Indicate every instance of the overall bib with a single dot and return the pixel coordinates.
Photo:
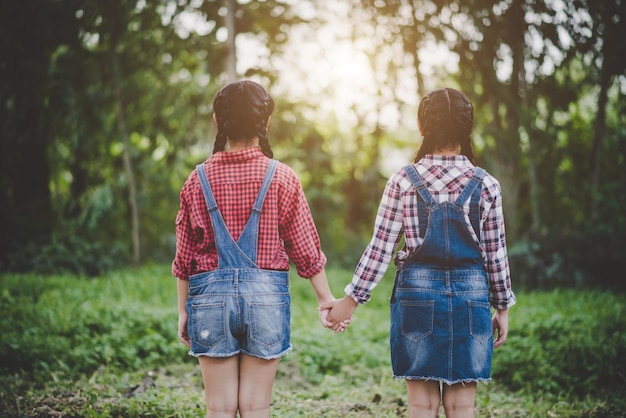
(440, 313)
(238, 307)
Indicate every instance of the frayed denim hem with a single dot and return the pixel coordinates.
(446, 381)
(214, 355)
(272, 357)
(234, 353)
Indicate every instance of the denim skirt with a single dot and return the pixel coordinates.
(441, 325)
(234, 311)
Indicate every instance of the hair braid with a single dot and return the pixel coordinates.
(446, 117)
(220, 137)
(220, 142)
(262, 127)
(242, 110)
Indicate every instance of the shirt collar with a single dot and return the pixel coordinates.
(244, 155)
(446, 160)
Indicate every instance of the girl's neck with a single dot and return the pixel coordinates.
(450, 152)
(241, 145)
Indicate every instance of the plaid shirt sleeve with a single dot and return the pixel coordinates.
(388, 229)
(493, 240)
(183, 261)
(298, 232)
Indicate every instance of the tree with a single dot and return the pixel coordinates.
(123, 87)
(28, 43)
(608, 24)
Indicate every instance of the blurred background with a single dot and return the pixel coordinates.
(106, 107)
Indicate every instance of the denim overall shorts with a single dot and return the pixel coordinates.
(238, 307)
(440, 313)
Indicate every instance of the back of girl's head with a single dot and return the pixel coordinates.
(446, 117)
(242, 110)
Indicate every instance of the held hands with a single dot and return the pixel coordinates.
(337, 313)
(325, 321)
(323, 313)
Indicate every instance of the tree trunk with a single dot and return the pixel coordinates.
(421, 89)
(26, 214)
(128, 165)
(511, 152)
(598, 139)
(231, 61)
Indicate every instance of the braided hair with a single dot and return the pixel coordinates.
(242, 110)
(446, 117)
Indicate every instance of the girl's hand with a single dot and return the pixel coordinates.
(183, 334)
(340, 313)
(323, 313)
(500, 326)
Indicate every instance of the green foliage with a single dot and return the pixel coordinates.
(70, 254)
(107, 346)
(588, 258)
(565, 343)
(66, 328)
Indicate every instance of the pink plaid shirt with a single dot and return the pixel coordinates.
(445, 177)
(286, 231)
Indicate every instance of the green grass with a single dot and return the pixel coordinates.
(107, 347)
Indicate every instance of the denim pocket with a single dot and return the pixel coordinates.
(269, 322)
(417, 319)
(479, 320)
(207, 324)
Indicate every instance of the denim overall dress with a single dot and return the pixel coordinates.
(440, 313)
(238, 307)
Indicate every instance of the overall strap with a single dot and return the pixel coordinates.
(242, 253)
(472, 189)
(267, 180)
(419, 185)
(206, 188)
(424, 201)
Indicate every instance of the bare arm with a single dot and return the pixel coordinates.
(325, 298)
(323, 294)
(182, 291)
(321, 287)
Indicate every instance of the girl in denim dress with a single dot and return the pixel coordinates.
(452, 270)
(243, 217)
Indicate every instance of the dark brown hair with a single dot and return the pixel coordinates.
(242, 110)
(446, 117)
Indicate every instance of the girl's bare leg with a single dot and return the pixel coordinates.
(424, 398)
(256, 378)
(221, 385)
(458, 400)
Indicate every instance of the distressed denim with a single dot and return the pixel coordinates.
(238, 308)
(441, 325)
(440, 313)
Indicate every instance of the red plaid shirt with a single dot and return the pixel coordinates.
(286, 231)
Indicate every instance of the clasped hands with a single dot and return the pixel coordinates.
(337, 313)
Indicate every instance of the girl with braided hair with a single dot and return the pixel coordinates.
(243, 217)
(452, 270)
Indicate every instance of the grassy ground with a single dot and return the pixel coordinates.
(106, 347)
